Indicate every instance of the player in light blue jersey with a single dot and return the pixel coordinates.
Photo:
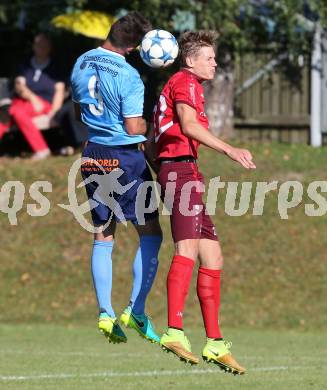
(109, 91)
(109, 96)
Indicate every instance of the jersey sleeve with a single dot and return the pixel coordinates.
(184, 92)
(132, 99)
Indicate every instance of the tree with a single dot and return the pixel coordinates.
(277, 26)
(34, 14)
(244, 26)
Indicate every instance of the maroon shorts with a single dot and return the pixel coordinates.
(182, 186)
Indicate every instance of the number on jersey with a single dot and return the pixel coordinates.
(162, 108)
(94, 91)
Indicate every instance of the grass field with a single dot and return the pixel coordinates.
(275, 272)
(273, 293)
(50, 357)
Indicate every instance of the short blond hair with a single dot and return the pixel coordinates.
(192, 41)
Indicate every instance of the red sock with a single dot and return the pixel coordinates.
(208, 289)
(178, 284)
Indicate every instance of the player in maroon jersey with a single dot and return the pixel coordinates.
(181, 126)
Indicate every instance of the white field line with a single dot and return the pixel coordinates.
(70, 353)
(111, 374)
(137, 354)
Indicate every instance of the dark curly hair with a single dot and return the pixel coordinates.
(129, 30)
(192, 41)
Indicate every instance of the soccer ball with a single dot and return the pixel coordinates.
(159, 48)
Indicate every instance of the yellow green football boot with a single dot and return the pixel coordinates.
(175, 341)
(111, 329)
(141, 323)
(217, 352)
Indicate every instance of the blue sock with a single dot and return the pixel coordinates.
(144, 271)
(101, 267)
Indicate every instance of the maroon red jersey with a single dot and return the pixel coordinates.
(182, 87)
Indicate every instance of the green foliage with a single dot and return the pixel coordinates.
(275, 26)
(33, 15)
(278, 25)
(320, 6)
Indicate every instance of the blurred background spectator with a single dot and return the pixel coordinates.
(39, 102)
(39, 90)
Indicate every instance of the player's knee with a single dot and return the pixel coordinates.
(187, 248)
(219, 259)
(101, 237)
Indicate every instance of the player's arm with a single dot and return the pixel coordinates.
(132, 104)
(193, 129)
(135, 125)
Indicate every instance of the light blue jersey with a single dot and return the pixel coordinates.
(108, 90)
